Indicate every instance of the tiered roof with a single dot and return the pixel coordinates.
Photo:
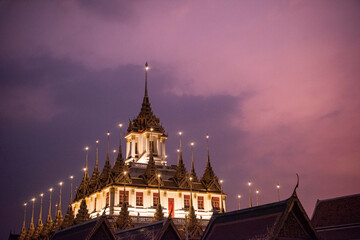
(146, 118)
(285, 219)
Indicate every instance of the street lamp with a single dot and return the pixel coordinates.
(257, 197)
(278, 191)
(239, 197)
(250, 202)
(221, 197)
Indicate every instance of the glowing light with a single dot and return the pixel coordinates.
(178, 150)
(192, 144)
(146, 67)
(221, 181)
(278, 186)
(207, 137)
(257, 191)
(60, 183)
(125, 173)
(41, 195)
(71, 177)
(114, 151)
(108, 133)
(191, 178)
(120, 125)
(151, 129)
(33, 199)
(239, 196)
(249, 183)
(159, 175)
(51, 189)
(86, 148)
(84, 169)
(25, 204)
(166, 156)
(97, 141)
(180, 133)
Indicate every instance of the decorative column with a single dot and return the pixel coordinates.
(158, 151)
(163, 148)
(112, 200)
(127, 148)
(132, 146)
(147, 149)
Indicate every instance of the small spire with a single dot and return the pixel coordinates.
(209, 174)
(207, 147)
(108, 146)
(41, 200)
(146, 70)
(192, 171)
(97, 155)
(23, 229)
(180, 133)
(83, 214)
(86, 160)
(31, 230)
(48, 225)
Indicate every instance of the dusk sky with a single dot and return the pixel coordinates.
(276, 85)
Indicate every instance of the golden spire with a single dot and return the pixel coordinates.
(207, 147)
(60, 184)
(23, 229)
(25, 204)
(97, 154)
(86, 161)
(31, 230)
(146, 70)
(108, 146)
(71, 188)
(50, 190)
(180, 133)
(41, 200)
(33, 208)
(192, 171)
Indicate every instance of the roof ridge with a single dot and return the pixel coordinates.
(249, 209)
(142, 226)
(337, 198)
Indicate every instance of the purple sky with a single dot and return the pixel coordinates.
(275, 84)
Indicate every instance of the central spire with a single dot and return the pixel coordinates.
(146, 70)
(146, 118)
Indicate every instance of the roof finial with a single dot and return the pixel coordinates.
(32, 214)
(40, 214)
(207, 147)
(146, 70)
(120, 126)
(97, 154)
(192, 171)
(86, 160)
(180, 133)
(108, 146)
(24, 225)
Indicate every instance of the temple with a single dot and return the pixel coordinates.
(142, 177)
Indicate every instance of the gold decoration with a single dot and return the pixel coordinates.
(148, 192)
(180, 194)
(209, 196)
